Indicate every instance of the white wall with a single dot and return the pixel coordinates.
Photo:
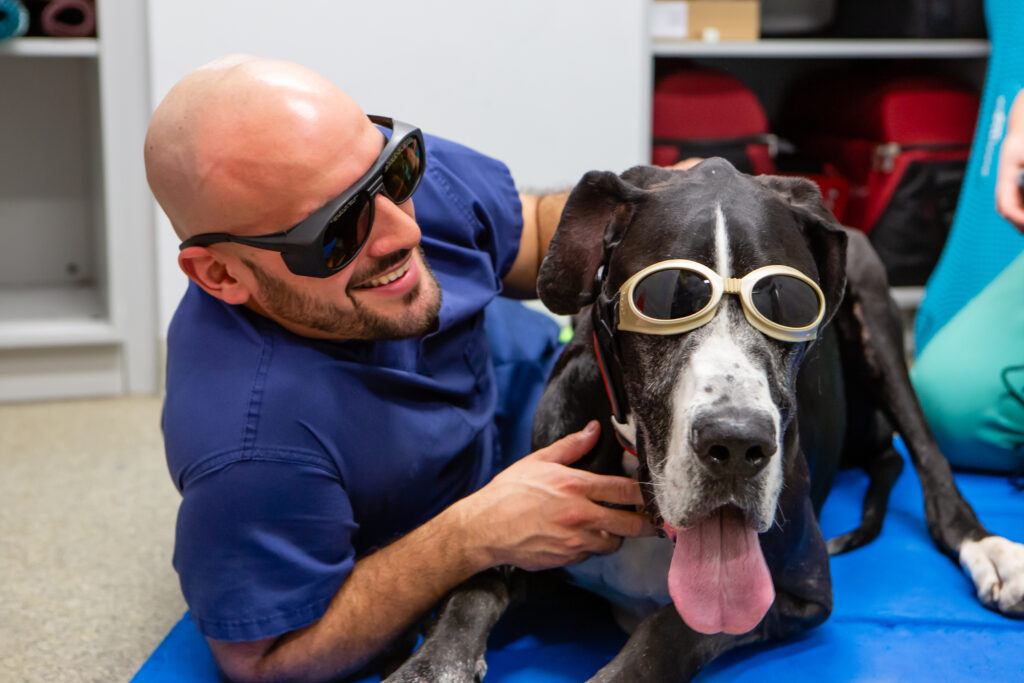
(551, 87)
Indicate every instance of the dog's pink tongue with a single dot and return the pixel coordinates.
(718, 579)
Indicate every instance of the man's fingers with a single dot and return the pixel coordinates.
(607, 543)
(571, 448)
(623, 522)
(605, 488)
(598, 543)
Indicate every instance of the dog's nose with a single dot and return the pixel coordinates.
(734, 442)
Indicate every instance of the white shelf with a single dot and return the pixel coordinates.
(907, 298)
(831, 48)
(53, 316)
(50, 47)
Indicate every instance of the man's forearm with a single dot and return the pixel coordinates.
(541, 214)
(385, 593)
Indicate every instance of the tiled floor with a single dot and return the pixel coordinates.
(86, 528)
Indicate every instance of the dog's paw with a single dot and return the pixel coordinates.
(996, 566)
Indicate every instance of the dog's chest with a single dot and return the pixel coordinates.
(634, 579)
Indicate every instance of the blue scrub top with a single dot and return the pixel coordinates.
(295, 457)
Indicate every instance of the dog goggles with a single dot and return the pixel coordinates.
(677, 296)
(328, 239)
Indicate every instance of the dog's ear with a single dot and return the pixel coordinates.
(825, 236)
(595, 216)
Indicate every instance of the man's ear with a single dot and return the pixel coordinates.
(214, 274)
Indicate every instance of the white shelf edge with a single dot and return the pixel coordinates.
(824, 48)
(907, 298)
(61, 332)
(50, 47)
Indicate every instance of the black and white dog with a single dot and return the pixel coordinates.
(739, 346)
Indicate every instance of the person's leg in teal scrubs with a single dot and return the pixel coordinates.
(961, 378)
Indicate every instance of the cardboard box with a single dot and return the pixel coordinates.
(707, 20)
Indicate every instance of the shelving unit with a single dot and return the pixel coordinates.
(769, 65)
(77, 284)
(824, 48)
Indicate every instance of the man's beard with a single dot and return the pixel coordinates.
(282, 301)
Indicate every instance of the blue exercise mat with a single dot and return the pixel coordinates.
(903, 612)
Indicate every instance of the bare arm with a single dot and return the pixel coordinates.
(541, 214)
(536, 514)
(540, 219)
(1009, 200)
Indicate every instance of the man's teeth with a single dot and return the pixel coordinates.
(390, 277)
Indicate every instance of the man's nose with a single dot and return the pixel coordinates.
(394, 227)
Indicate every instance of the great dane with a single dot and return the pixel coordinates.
(739, 346)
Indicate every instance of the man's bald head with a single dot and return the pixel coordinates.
(249, 145)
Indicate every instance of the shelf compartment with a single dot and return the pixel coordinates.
(54, 316)
(825, 48)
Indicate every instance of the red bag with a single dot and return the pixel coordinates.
(903, 143)
(704, 112)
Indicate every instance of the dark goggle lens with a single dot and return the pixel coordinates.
(672, 294)
(346, 232)
(401, 174)
(786, 301)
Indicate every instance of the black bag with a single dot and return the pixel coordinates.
(910, 19)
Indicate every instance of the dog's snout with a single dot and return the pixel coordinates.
(734, 442)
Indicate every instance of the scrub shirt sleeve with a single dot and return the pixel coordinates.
(483, 190)
(262, 547)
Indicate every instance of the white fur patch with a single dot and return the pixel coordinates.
(724, 265)
(718, 364)
(996, 566)
(634, 579)
(718, 373)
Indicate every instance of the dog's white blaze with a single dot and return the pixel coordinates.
(723, 265)
(718, 364)
(996, 566)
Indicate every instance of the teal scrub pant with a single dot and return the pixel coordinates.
(970, 378)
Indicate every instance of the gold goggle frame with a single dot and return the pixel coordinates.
(632, 320)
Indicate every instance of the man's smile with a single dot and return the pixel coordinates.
(388, 277)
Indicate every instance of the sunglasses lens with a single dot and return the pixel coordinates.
(786, 301)
(401, 174)
(672, 294)
(346, 232)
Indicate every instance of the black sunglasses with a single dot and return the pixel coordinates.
(328, 239)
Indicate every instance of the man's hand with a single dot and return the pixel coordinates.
(686, 164)
(540, 513)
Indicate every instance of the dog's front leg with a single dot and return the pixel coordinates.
(453, 648)
(664, 649)
(995, 564)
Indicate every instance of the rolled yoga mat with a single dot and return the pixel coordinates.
(13, 19)
(69, 18)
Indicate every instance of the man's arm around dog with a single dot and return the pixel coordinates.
(537, 514)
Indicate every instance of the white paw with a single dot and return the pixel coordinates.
(996, 565)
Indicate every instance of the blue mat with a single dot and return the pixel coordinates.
(903, 612)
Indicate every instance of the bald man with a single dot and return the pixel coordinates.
(332, 405)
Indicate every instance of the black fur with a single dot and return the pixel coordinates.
(839, 397)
